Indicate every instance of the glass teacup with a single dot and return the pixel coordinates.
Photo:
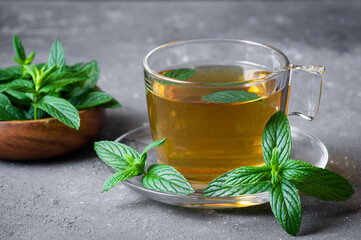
(205, 138)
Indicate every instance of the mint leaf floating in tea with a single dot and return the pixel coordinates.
(50, 89)
(231, 96)
(282, 178)
(129, 163)
(180, 74)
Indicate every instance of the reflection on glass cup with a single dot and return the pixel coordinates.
(206, 139)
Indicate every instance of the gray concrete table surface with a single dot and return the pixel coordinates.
(60, 198)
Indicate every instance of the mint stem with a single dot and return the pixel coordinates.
(35, 113)
(35, 107)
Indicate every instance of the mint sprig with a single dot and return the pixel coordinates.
(129, 163)
(20, 52)
(282, 178)
(48, 89)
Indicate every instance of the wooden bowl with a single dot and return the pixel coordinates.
(47, 138)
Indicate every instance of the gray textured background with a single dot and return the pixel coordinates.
(60, 198)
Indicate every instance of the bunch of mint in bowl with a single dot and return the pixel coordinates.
(49, 109)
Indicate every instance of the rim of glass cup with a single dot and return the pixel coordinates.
(259, 79)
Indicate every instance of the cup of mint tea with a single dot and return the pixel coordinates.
(211, 99)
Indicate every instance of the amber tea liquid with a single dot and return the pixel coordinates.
(207, 139)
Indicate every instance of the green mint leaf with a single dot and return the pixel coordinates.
(231, 96)
(77, 91)
(157, 143)
(249, 175)
(18, 61)
(65, 89)
(165, 178)
(118, 177)
(5, 115)
(21, 85)
(90, 99)
(4, 100)
(115, 154)
(317, 182)
(180, 74)
(20, 97)
(40, 65)
(18, 47)
(74, 68)
(277, 133)
(10, 73)
(57, 56)
(9, 112)
(111, 104)
(30, 58)
(286, 206)
(80, 97)
(32, 71)
(46, 74)
(54, 94)
(91, 69)
(57, 80)
(218, 188)
(143, 156)
(60, 109)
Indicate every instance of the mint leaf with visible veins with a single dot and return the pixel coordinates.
(57, 56)
(317, 182)
(180, 74)
(19, 49)
(286, 206)
(165, 178)
(231, 96)
(120, 176)
(130, 163)
(219, 188)
(115, 154)
(277, 133)
(60, 109)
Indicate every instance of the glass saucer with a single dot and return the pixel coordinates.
(305, 147)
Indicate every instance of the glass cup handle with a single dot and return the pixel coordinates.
(305, 90)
